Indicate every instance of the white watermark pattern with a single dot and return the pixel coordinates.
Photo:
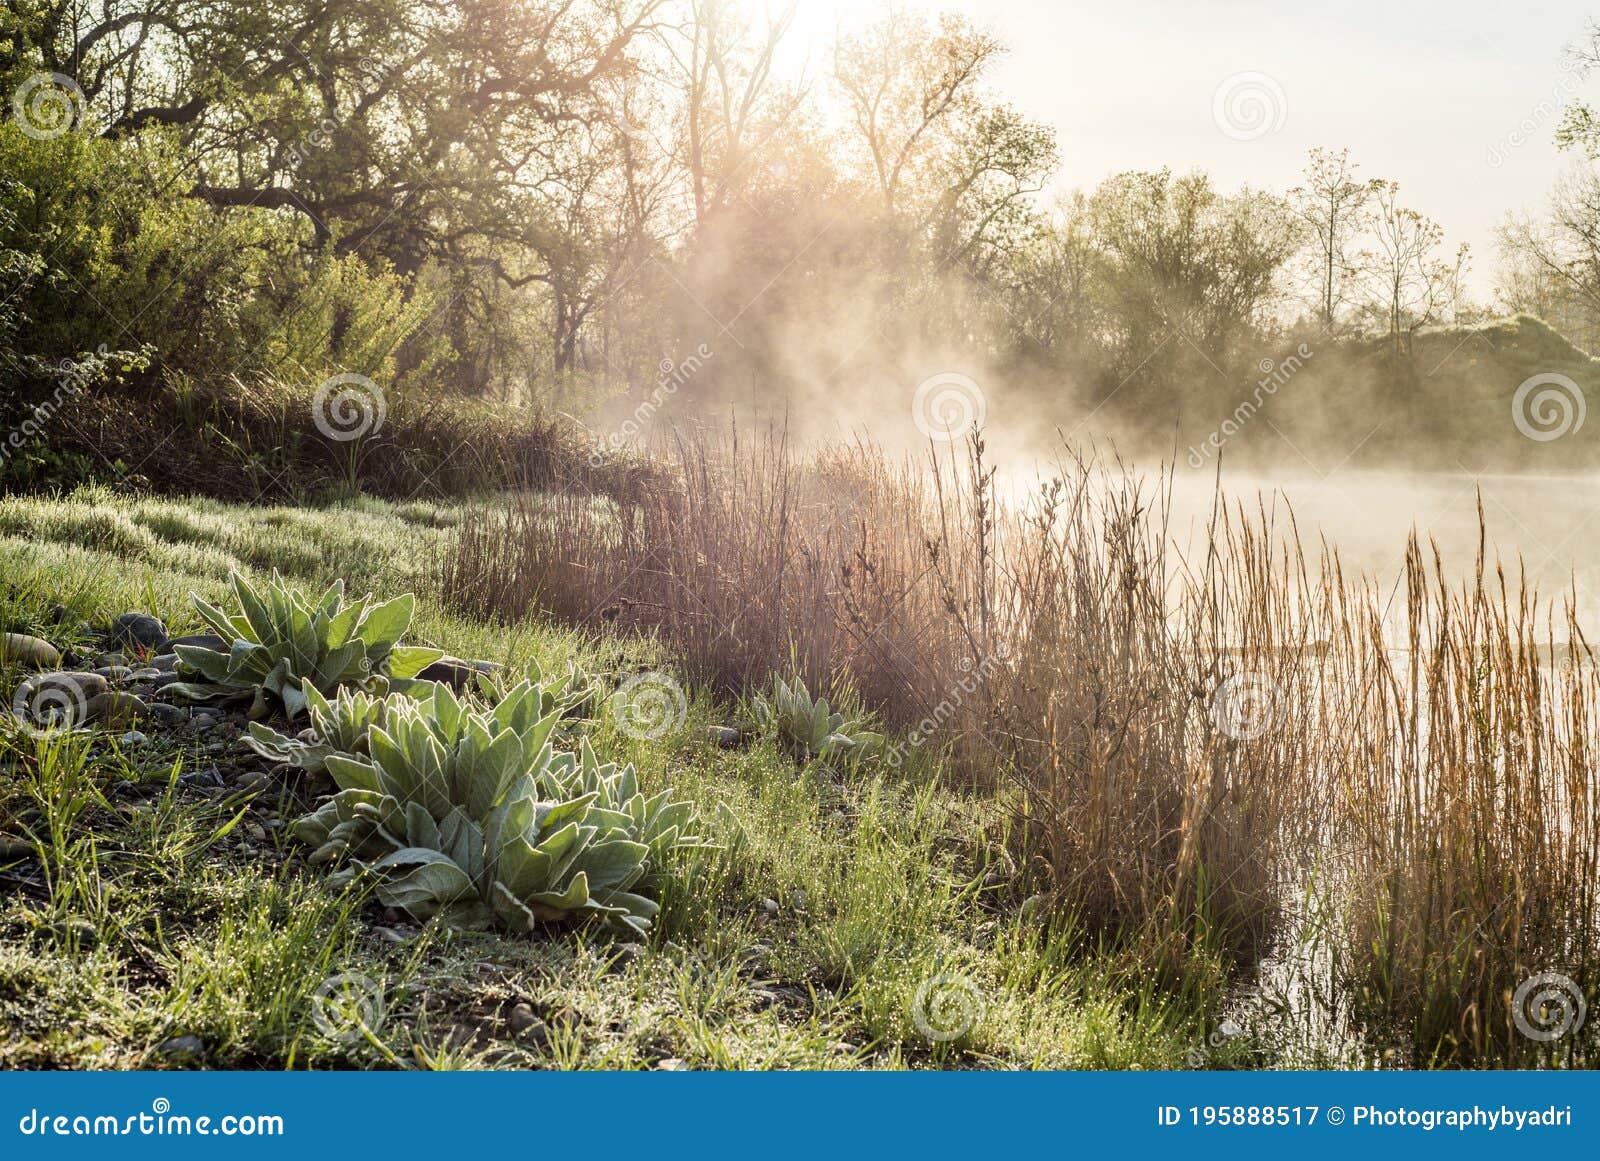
(649, 706)
(1245, 706)
(1249, 105)
(948, 406)
(1548, 406)
(1547, 1006)
(946, 1007)
(348, 406)
(47, 105)
(1274, 375)
(348, 1007)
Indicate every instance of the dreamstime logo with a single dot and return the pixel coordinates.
(946, 1007)
(55, 705)
(1545, 1007)
(672, 377)
(1246, 706)
(1547, 407)
(46, 105)
(649, 706)
(348, 406)
(1573, 73)
(348, 1006)
(948, 405)
(972, 678)
(1248, 106)
(1274, 375)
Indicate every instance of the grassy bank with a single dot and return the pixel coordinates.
(155, 915)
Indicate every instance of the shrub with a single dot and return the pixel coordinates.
(474, 815)
(281, 640)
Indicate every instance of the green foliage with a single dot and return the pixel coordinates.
(281, 640)
(472, 814)
(806, 728)
(574, 692)
(340, 726)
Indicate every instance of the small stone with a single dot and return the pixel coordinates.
(29, 652)
(139, 630)
(181, 1046)
(166, 663)
(724, 736)
(257, 832)
(672, 1064)
(166, 715)
(770, 906)
(210, 776)
(148, 673)
(57, 614)
(132, 738)
(110, 661)
(623, 954)
(117, 709)
(117, 673)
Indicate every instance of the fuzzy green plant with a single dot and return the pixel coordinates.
(807, 728)
(283, 641)
(474, 816)
(573, 692)
(338, 725)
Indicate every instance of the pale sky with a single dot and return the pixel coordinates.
(1424, 92)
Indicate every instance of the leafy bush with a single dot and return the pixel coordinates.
(341, 726)
(806, 728)
(282, 641)
(473, 815)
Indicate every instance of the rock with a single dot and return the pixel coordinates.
(770, 906)
(725, 736)
(166, 663)
(140, 630)
(166, 715)
(256, 831)
(522, 1019)
(623, 954)
(115, 710)
(208, 778)
(57, 614)
(456, 672)
(133, 738)
(179, 1046)
(114, 672)
(148, 673)
(110, 661)
(672, 1064)
(62, 697)
(29, 652)
(199, 641)
(165, 680)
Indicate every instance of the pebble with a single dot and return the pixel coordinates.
(256, 831)
(133, 738)
(724, 736)
(623, 954)
(166, 715)
(117, 709)
(672, 1064)
(522, 1019)
(32, 652)
(210, 776)
(114, 672)
(140, 630)
(181, 1046)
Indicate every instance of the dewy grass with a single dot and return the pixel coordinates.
(130, 922)
(1187, 740)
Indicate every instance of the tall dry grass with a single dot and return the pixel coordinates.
(1190, 738)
